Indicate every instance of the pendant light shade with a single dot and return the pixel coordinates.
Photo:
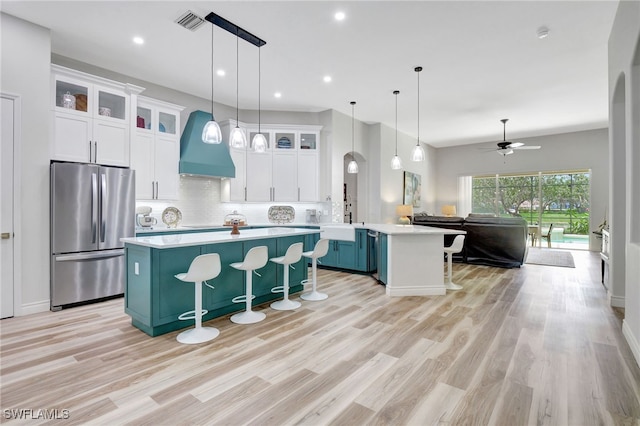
(396, 162)
(352, 167)
(211, 132)
(259, 142)
(417, 154)
(237, 138)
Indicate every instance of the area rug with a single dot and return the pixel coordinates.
(550, 257)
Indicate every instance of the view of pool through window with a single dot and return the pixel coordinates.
(554, 204)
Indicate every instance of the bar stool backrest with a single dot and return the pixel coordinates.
(293, 254)
(256, 258)
(456, 246)
(203, 267)
(321, 248)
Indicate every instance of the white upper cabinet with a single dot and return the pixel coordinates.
(91, 118)
(286, 172)
(155, 149)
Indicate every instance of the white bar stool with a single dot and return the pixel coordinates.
(293, 254)
(455, 247)
(321, 248)
(202, 268)
(255, 258)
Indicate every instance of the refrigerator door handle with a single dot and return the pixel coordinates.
(103, 203)
(94, 207)
(89, 256)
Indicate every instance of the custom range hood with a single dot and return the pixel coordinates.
(199, 158)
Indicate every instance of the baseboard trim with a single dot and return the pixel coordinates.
(34, 308)
(632, 340)
(616, 301)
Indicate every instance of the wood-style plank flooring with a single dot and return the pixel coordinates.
(537, 345)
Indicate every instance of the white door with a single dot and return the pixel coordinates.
(285, 176)
(6, 208)
(259, 171)
(308, 176)
(111, 143)
(72, 138)
(142, 161)
(167, 155)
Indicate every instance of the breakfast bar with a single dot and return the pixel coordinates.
(410, 260)
(154, 297)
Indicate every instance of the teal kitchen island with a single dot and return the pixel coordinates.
(154, 297)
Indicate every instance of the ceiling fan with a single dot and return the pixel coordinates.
(505, 147)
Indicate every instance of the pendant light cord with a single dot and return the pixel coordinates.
(212, 116)
(259, 79)
(418, 72)
(396, 93)
(352, 129)
(237, 77)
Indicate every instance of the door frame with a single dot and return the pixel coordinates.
(17, 201)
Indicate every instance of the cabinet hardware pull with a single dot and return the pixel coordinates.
(5, 235)
(90, 152)
(95, 151)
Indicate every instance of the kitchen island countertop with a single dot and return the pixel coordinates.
(217, 237)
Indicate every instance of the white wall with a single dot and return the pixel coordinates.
(391, 190)
(26, 53)
(566, 151)
(624, 74)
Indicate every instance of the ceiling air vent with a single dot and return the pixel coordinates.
(190, 21)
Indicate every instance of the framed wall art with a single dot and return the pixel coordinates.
(412, 188)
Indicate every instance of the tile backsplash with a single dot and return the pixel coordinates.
(199, 202)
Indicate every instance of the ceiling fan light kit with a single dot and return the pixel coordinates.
(505, 147)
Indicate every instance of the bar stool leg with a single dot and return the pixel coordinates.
(314, 295)
(450, 285)
(198, 334)
(248, 316)
(285, 304)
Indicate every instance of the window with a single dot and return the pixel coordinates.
(560, 198)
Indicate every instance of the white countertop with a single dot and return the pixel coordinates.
(395, 229)
(164, 228)
(216, 237)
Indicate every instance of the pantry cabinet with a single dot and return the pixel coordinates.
(155, 149)
(91, 118)
(286, 172)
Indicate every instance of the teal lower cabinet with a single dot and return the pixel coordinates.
(154, 297)
(354, 256)
(382, 260)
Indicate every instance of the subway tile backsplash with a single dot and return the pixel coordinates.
(199, 202)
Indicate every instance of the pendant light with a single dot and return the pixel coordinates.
(211, 132)
(396, 162)
(353, 166)
(417, 154)
(237, 139)
(259, 142)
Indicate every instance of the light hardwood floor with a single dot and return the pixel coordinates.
(531, 346)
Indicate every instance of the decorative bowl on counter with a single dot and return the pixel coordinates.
(171, 217)
(281, 214)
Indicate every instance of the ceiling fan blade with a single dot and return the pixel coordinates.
(515, 144)
(526, 147)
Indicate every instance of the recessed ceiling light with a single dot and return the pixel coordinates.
(138, 40)
(339, 16)
(327, 79)
(221, 73)
(277, 95)
(543, 32)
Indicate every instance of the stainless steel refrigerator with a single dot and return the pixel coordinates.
(92, 207)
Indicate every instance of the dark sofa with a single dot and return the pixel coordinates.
(493, 241)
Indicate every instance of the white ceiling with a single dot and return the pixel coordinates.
(482, 60)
